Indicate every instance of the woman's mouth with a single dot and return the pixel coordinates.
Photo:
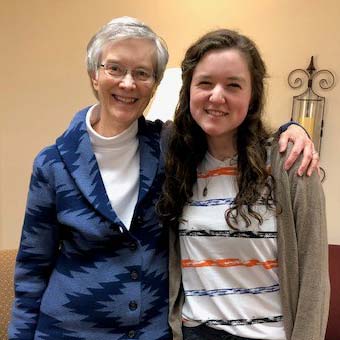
(125, 100)
(216, 113)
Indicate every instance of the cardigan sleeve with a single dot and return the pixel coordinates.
(37, 253)
(310, 218)
(307, 204)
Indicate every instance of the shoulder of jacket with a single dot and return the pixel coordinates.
(46, 159)
(155, 126)
(277, 158)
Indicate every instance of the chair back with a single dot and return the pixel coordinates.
(7, 262)
(333, 326)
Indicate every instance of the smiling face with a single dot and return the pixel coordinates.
(123, 100)
(220, 93)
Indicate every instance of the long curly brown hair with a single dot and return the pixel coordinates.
(187, 144)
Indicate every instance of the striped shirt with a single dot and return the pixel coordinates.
(230, 277)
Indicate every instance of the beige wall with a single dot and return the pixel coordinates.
(43, 78)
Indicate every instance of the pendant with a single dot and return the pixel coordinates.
(205, 191)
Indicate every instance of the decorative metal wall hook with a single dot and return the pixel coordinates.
(324, 83)
(308, 107)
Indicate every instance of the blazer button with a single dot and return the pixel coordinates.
(139, 220)
(133, 305)
(131, 334)
(134, 275)
(133, 246)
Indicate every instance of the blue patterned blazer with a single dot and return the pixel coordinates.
(80, 274)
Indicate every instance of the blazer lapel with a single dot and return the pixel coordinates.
(76, 151)
(149, 156)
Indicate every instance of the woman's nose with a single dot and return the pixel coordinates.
(127, 81)
(217, 95)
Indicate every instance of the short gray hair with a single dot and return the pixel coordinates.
(124, 28)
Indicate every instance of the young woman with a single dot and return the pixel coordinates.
(248, 247)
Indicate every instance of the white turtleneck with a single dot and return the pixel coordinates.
(118, 161)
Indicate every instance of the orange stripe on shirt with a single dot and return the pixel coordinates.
(226, 171)
(226, 263)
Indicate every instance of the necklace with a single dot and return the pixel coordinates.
(206, 181)
(228, 162)
(205, 189)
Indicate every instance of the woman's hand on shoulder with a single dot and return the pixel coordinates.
(302, 144)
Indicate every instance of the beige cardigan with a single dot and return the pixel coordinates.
(302, 256)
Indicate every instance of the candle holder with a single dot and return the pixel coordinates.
(308, 107)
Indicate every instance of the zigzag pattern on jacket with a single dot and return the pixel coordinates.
(73, 275)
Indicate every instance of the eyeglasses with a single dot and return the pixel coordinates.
(118, 71)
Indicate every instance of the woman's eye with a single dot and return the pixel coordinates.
(204, 83)
(235, 85)
(114, 68)
(141, 73)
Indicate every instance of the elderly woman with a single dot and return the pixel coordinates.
(93, 258)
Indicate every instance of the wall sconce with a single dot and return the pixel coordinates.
(308, 107)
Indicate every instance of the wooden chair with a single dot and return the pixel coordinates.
(7, 261)
(333, 326)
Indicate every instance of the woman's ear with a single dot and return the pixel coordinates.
(94, 80)
(154, 89)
